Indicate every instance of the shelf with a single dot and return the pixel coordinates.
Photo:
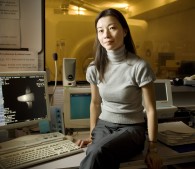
(183, 88)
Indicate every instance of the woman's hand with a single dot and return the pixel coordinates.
(153, 160)
(84, 142)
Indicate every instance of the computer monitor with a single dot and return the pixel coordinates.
(164, 100)
(163, 92)
(187, 68)
(77, 107)
(23, 99)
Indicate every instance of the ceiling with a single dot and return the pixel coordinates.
(135, 9)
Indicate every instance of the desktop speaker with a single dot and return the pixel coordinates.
(57, 119)
(69, 71)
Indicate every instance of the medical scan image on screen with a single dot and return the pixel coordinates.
(22, 99)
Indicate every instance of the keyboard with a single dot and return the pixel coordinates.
(35, 149)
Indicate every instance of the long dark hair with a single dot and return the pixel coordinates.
(101, 59)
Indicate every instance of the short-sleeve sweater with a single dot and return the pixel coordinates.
(120, 89)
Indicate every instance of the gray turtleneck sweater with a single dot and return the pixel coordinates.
(121, 88)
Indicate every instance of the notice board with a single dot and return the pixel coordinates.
(21, 35)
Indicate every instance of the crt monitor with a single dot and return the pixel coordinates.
(23, 99)
(163, 93)
(77, 107)
(164, 100)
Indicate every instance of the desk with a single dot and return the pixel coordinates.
(169, 156)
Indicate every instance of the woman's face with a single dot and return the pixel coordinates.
(110, 33)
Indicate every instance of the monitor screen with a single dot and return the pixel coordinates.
(23, 99)
(77, 107)
(163, 93)
(82, 102)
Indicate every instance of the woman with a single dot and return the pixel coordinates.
(118, 79)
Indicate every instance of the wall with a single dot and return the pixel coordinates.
(172, 34)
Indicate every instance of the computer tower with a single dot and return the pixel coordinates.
(69, 72)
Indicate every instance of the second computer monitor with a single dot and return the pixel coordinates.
(164, 100)
(77, 107)
(163, 93)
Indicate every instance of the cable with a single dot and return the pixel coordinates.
(55, 58)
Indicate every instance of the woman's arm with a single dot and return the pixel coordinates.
(150, 106)
(95, 110)
(153, 160)
(95, 106)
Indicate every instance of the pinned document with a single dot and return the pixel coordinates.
(18, 60)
